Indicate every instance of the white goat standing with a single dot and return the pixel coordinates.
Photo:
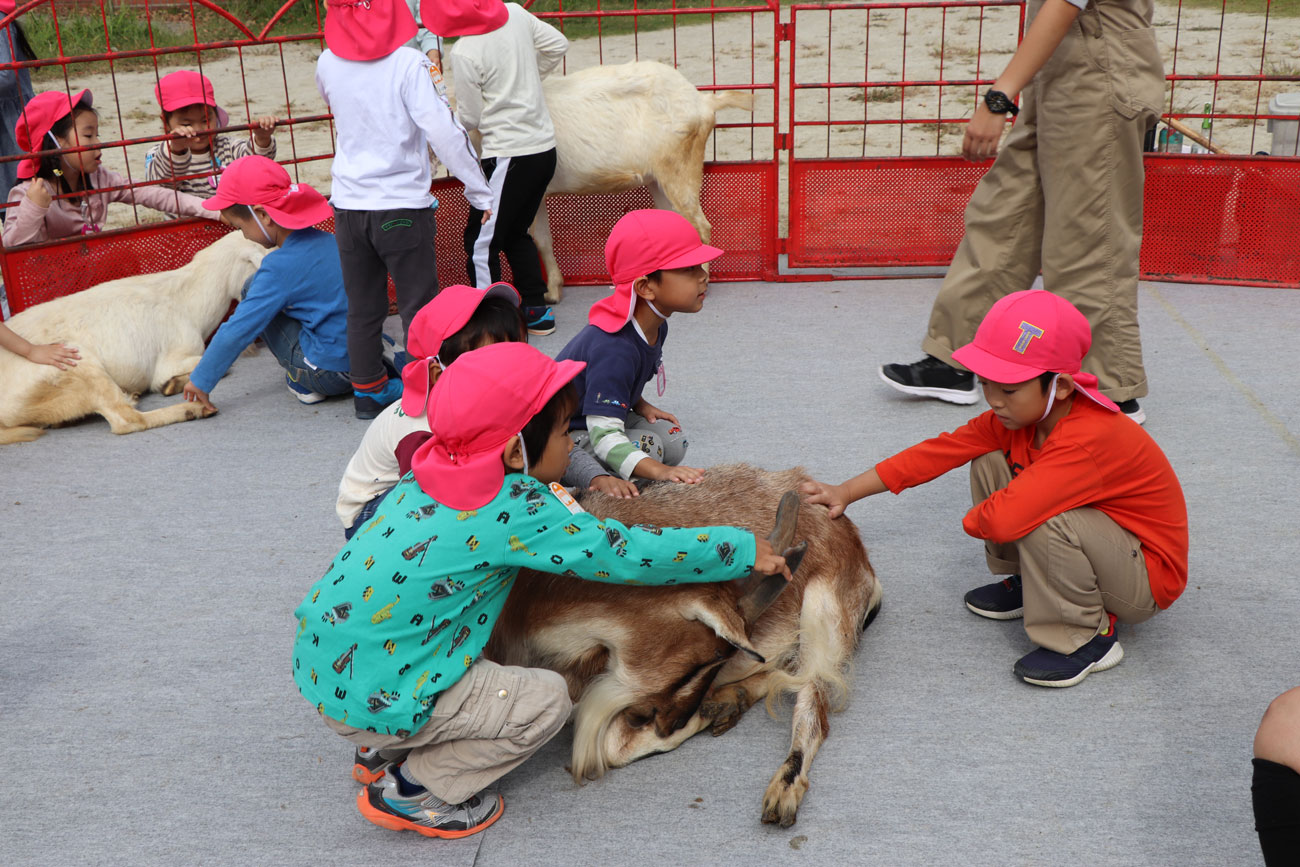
(624, 126)
(137, 334)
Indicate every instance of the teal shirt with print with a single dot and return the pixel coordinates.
(408, 604)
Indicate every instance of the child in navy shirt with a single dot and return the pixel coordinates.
(295, 301)
(656, 260)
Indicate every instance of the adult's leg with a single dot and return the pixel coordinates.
(404, 239)
(1275, 788)
(1098, 97)
(365, 280)
(1076, 567)
(521, 196)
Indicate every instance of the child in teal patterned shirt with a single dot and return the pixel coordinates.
(389, 638)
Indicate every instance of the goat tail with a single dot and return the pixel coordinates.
(21, 434)
(599, 706)
(822, 656)
(717, 100)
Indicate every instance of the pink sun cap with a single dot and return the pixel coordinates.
(256, 180)
(368, 29)
(442, 317)
(452, 18)
(482, 399)
(40, 114)
(641, 242)
(185, 87)
(1029, 333)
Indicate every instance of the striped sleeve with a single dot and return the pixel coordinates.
(613, 448)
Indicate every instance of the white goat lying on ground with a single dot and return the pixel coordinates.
(137, 334)
(625, 126)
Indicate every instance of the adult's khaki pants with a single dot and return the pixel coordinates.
(482, 727)
(1064, 195)
(1074, 567)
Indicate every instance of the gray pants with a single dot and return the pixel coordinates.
(482, 727)
(372, 246)
(1075, 567)
(661, 440)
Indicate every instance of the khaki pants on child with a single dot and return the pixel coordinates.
(482, 727)
(1074, 567)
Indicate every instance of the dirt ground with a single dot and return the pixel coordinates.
(842, 46)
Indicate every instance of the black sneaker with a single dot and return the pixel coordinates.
(540, 320)
(1045, 667)
(1131, 409)
(930, 377)
(1001, 600)
(368, 404)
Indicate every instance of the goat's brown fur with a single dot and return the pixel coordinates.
(648, 667)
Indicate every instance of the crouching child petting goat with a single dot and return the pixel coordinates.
(1075, 502)
(389, 638)
(295, 301)
(656, 260)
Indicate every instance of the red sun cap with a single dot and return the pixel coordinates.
(368, 29)
(41, 113)
(256, 180)
(187, 87)
(482, 399)
(641, 242)
(442, 317)
(1028, 333)
(451, 18)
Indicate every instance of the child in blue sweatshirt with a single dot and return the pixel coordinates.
(295, 301)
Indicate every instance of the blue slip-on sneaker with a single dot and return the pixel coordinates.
(424, 812)
(368, 404)
(302, 392)
(541, 320)
(1001, 600)
(1043, 667)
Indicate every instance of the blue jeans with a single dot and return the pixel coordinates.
(367, 512)
(281, 337)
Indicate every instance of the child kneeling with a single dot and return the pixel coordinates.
(389, 638)
(295, 301)
(1075, 501)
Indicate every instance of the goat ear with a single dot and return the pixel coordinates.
(758, 591)
(726, 623)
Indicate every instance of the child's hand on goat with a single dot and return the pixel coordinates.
(833, 497)
(39, 193)
(614, 487)
(649, 468)
(264, 126)
(767, 561)
(193, 392)
(54, 354)
(652, 413)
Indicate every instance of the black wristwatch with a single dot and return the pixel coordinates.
(998, 103)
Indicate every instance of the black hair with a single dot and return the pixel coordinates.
(655, 276)
(1045, 380)
(540, 427)
(495, 321)
(51, 165)
(243, 212)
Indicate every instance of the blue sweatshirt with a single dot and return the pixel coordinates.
(303, 280)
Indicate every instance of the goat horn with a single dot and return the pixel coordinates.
(759, 591)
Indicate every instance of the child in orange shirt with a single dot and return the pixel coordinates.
(1075, 501)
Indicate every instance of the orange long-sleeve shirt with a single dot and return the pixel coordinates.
(1092, 458)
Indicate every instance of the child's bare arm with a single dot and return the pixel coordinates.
(54, 354)
(837, 497)
(1044, 35)
(649, 468)
(652, 413)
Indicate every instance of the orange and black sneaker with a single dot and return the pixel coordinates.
(369, 765)
(424, 813)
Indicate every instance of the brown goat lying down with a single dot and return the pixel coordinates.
(650, 666)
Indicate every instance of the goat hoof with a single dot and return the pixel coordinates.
(175, 385)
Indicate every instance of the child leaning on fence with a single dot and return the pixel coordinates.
(56, 120)
(189, 110)
(389, 639)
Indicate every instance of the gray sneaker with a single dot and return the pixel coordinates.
(381, 803)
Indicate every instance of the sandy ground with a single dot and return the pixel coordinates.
(841, 46)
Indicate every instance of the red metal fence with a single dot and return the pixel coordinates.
(846, 166)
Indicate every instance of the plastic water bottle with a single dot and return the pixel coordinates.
(1206, 125)
(1175, 141)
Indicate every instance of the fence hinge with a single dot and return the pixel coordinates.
(783, 141)
(785, 32)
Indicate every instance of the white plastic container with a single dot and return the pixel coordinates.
(1286, 133)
